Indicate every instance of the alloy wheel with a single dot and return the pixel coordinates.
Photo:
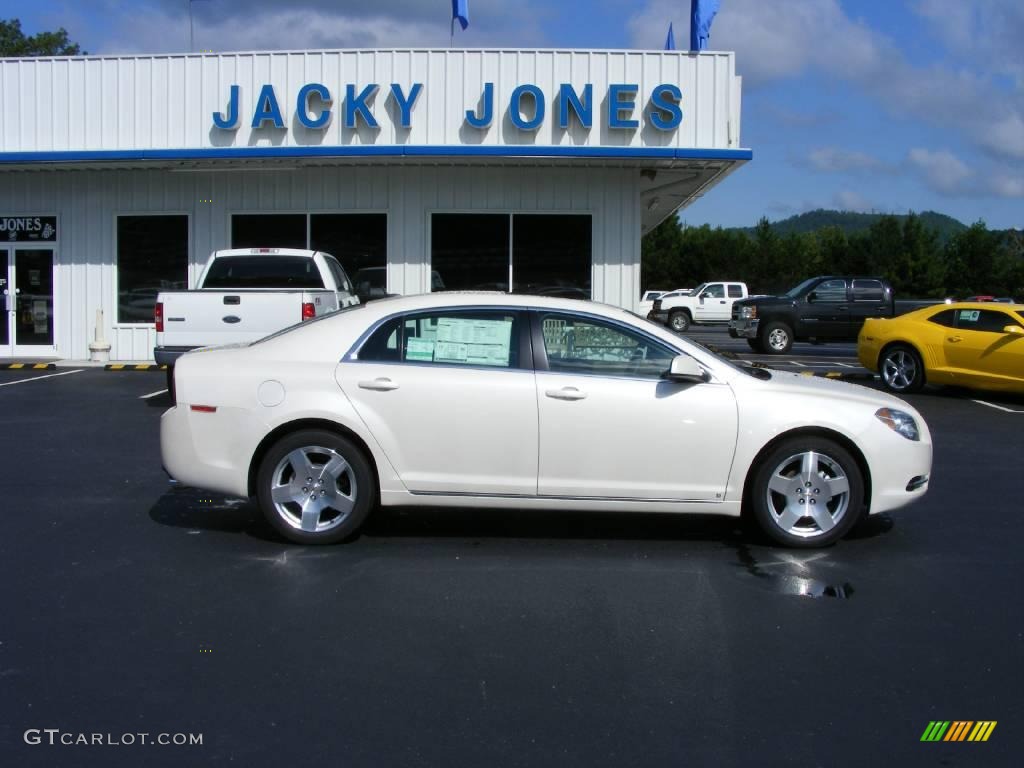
(808, 494)
(899, 370)
(313, 489)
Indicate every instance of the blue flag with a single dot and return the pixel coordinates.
(460, 12)
(670, 41)
(702, 13)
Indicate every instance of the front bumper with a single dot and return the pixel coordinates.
(746, 329)
(659, 316)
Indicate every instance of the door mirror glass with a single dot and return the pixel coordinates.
(811, 297)
(685, 368)
(1015, 330)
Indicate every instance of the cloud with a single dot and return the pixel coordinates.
(789, 38)
(848, 200)
(990, 31)
(835, 160)
(943, 171)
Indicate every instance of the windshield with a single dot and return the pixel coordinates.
(696, 291)
(794, 292)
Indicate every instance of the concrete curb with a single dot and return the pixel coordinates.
(16, 366)
(134, 367)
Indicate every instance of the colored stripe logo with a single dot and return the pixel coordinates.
(958, 730)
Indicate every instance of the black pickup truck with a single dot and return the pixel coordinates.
(821, 309)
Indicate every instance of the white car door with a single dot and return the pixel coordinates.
(611, 427)
(446, 396)
(712, 306)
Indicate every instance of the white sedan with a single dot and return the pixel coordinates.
(490, 400)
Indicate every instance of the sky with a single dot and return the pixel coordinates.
(861, 105)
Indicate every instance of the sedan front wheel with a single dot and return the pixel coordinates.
(315, 487)
(807, 492)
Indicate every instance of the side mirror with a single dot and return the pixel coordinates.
(812, 297)
(685, 369)
(1014, 330)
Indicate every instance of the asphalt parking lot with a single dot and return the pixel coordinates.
(489, 638)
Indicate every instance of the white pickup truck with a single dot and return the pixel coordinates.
(245, 294)
(707, 304)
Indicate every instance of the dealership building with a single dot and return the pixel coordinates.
(535, 171)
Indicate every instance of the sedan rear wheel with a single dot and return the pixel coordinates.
(901, 369)
(315, 487)
(807, 492)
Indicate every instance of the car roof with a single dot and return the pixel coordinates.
(493, 298)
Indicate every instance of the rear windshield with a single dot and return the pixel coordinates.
(264, 272)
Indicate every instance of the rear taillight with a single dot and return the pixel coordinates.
(308, 310)
(158, 316)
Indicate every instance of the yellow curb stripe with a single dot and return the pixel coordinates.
(17, 366)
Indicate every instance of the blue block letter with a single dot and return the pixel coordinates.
(488, 109)
(230, 122)
(302, 105)
(584, 109)
(617, 105)
(666, 114)
(357, 104)
(405, 105)
(515, 111)
(267, 109)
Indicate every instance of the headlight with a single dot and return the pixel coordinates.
(748, 313)
(899, 421)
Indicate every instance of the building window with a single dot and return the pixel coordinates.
(268, 230)
(358, 240)
(152, 256)
(547, 254)
(470, 251)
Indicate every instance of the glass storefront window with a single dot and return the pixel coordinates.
(549, 254)
(152, 256)
(360, 242)
(469, 251)
(268, 230)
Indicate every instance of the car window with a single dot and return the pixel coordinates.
(868, 290)
(987, 320)
(735, 291)
(946, 317)
(716, 291)
(831, 290)
(338, 273)
(472, 338)
(584, 345)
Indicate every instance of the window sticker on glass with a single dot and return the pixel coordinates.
(472, 341)
(420, 350)
(970, 315)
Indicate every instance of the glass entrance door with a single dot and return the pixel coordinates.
(27, 288)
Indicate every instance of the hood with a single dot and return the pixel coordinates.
(761, 301)
(784, 381)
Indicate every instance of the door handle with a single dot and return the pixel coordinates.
(722, 301)
(566, 393)
(379, 385)
(955, 339)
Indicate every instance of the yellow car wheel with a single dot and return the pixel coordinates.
(901, 369)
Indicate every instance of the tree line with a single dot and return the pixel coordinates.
(903, 250)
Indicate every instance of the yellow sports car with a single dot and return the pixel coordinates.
(969, 344)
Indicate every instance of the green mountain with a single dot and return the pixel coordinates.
(850, 222)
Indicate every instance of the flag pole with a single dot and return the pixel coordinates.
(451, 39)
(191, 30)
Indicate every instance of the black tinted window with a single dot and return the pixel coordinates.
(152, 256)
(987, 320)
(735, 292)
(263, 272)
(268, 230)
(867, 290)
(830, 290)
(946, 317)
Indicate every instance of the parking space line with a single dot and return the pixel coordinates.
(152, 394)
(37, 378)
(998, 407)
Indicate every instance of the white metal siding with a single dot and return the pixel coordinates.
(87, 203)
(167, 102)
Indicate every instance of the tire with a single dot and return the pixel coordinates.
(901, 369)
(679, 321)
(755, 344)
(790, 484)
(170, 382)
(776, 338)
(351, 489)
